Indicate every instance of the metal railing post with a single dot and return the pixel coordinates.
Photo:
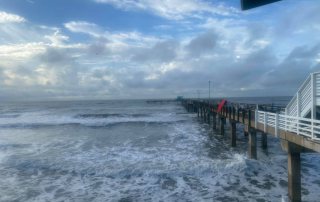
(256, 117)
(276, 123)
(285, 120)
(265, 122)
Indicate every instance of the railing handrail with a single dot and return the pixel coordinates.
(299, 125)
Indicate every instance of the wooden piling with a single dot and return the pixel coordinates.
(252, 144)
(198, 112)
(233, 134)
(264, 140)
(222, 126)
(294, 170)
(214, 121)
(294, 176)
(238, 114)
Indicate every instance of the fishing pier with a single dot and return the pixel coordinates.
(297, 125)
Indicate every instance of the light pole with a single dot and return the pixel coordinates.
(212, 89)
(209, 89)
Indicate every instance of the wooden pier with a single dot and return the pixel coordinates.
(264, 120)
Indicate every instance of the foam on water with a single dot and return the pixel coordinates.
(39, 119)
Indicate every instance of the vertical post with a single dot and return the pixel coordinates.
(294, 176)
(298, 110)
(233, 134)
(233, 113)
(298, 104)
(222, 126)
(252, 144)
(243, 121)
(238, 114)
(243, 115)
(249, 118)
(198, 113)
(276, 123)
(256, 117)
(294, 170)
(285, 120)
(313, 101)
(265, 121)
(208, 119)
(264, 140)
(214, 121)
(209, 90)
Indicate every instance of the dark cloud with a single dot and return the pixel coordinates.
(164, 51)
(99, 48)
(56, 56)
(294, 69)
(204, 43)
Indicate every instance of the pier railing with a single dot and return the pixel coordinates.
(306, 99)
(269, 118)
(301, 126)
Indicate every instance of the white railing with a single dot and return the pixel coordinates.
(306, 98)
(301, 126)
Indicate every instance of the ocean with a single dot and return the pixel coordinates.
(132, 150)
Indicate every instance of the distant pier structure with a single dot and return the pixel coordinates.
(297, 125)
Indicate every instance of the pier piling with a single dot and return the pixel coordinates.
(252, 144)
(264, 140)
(294, 170)
(214, 121)
(233, 134)
(222, 126)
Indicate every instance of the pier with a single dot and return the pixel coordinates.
(296, 125)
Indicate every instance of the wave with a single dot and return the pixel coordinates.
(89, 120)
(107, 115)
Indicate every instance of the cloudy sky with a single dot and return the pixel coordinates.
(111, 49)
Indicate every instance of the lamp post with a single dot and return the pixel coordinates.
(209, 89)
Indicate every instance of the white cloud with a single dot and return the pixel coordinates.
(173, 9)
(84, 27)
(10, 18)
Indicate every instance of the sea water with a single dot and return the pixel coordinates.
(135, 151)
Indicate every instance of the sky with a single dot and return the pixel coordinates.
(137, 49)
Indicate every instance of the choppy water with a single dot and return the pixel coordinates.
(134, 151)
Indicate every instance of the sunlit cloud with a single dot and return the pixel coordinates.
(10, 18)
(173, 9)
